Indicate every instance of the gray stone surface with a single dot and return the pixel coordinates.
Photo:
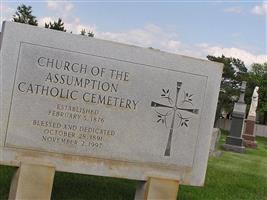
(260, 130)
(237, 125)
(97, 107)
(235, 148)
(216, 134)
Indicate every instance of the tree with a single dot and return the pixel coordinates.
(59, 25)
(234, 72)
(89, 34)
(258, 77)
(24, 15)
(83, 32)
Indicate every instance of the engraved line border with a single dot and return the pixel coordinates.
(197, 140)
(125, 61)
(12, 93)
(94, 156)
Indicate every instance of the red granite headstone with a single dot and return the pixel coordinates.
(248, 135)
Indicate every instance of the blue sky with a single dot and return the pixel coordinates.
(193, 28)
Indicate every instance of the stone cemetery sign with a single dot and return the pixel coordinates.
(97, 107)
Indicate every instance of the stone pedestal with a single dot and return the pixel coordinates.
(140, 190)
(235, 148)
(157, 188)
(248, 135)
(32, 182)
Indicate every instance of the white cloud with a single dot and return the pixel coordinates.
(44, 20)
(73, 25)
(248, 57)
(148, 36)
(233, 10)
(52, 5)
(6, 12)
(173, 44)
(64, 11)
(60, 6)
(68, 7)
(76, 26)
(260, 9)
(154, 36)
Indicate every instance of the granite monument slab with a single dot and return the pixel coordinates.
(91, 106)
(234, 141)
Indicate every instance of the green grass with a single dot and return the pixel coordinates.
(232, 176)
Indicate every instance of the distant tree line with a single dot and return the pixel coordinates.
(24, 15)
(234, 71)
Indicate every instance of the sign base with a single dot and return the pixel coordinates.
(157, 188)
(32, 181)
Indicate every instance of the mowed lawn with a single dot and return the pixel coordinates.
(231, 176)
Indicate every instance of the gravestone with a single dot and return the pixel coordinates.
(249, 135)
(216, 134)
(234, 142)
(90, 106)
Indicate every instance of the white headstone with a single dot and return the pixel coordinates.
(254, 102)
(98, 107)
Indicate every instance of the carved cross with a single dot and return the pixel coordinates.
(174, 108)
